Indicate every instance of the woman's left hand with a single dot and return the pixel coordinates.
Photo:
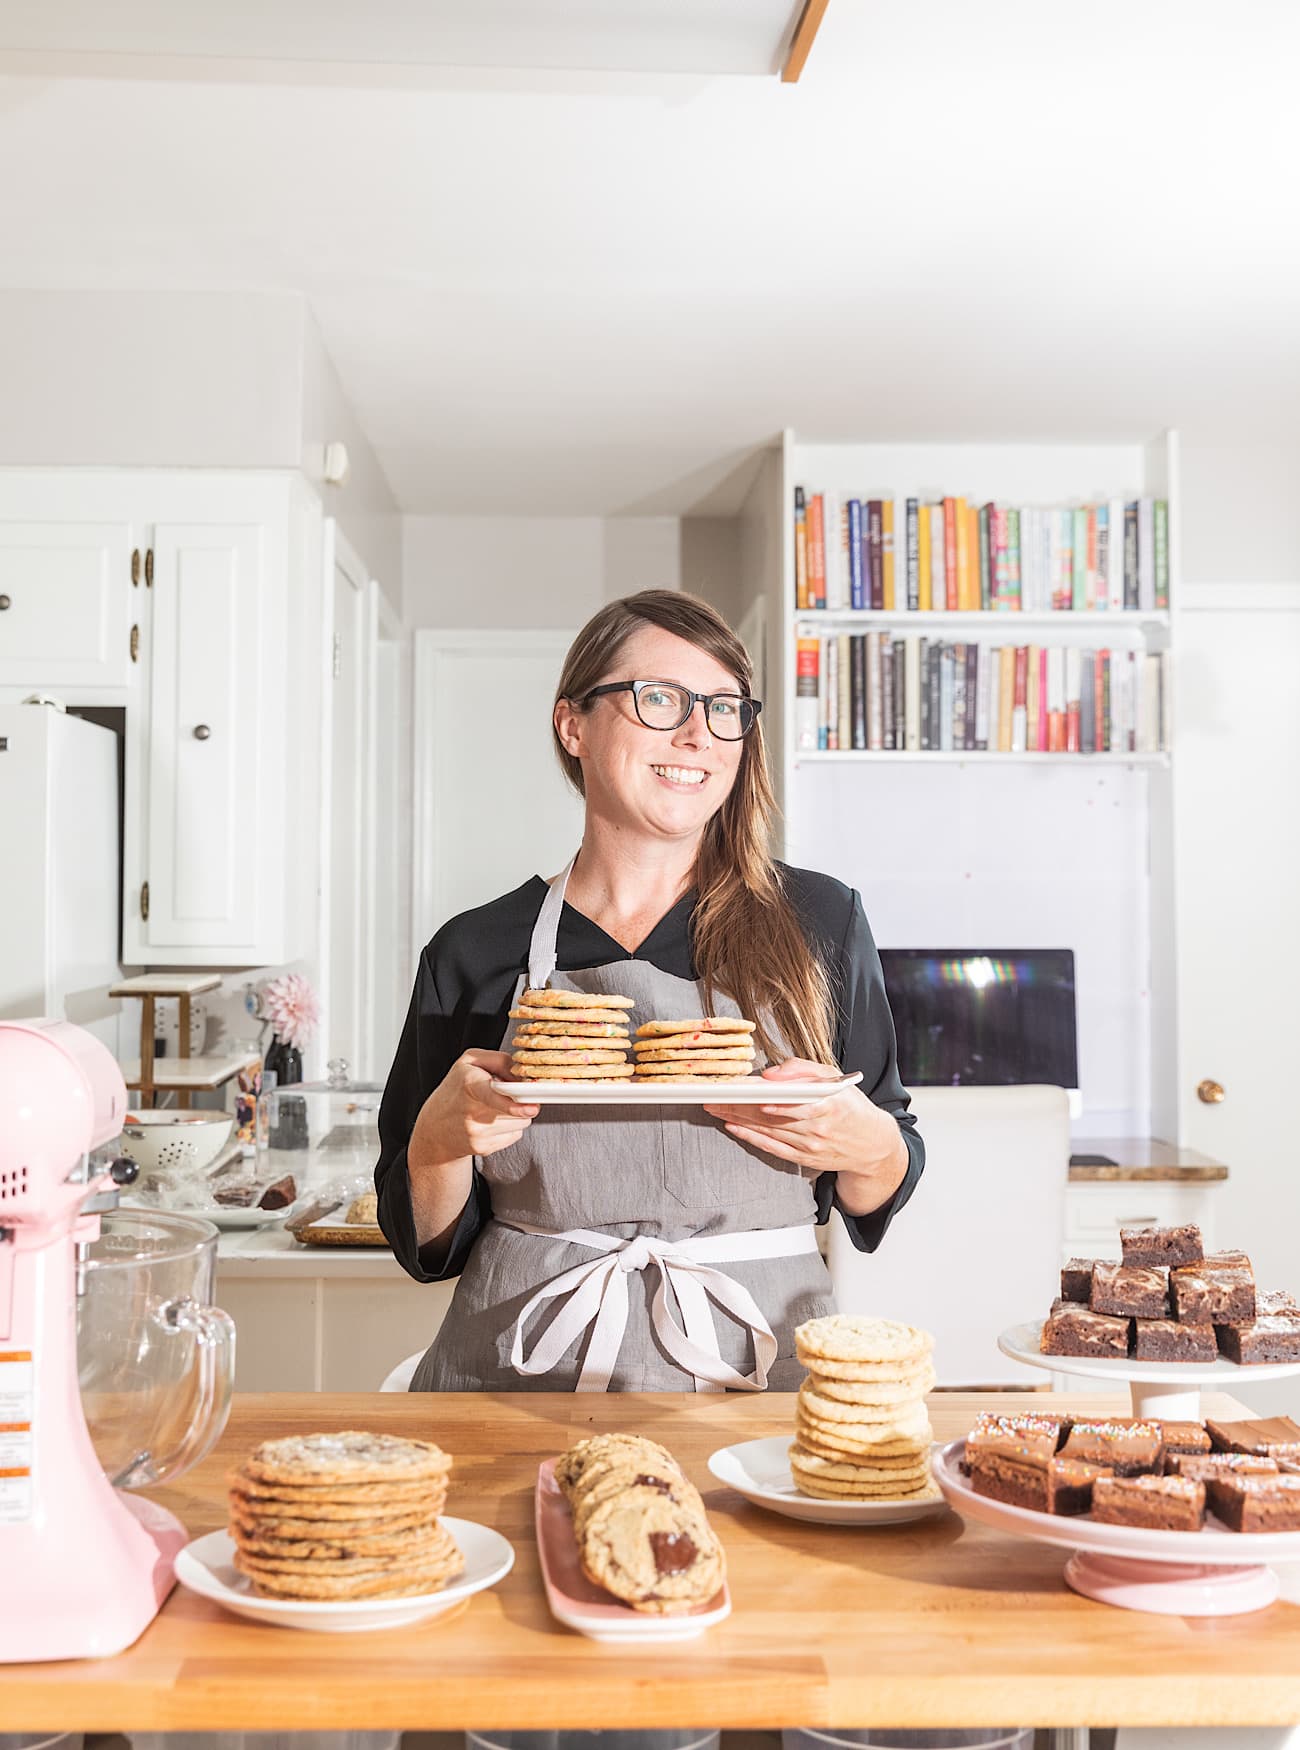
(845, 1134)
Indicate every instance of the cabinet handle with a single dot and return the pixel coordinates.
(1137, 1221)
(1209, 1093)
(201, 732)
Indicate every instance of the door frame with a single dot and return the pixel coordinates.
(432, 648)
(382, 626)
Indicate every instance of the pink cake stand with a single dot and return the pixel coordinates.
(1167, 1389)
(1171, 1573)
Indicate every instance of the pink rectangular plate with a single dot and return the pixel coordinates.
(579, 1604)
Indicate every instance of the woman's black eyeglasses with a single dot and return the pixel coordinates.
(666, 705)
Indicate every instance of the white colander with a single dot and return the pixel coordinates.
(167, 1140)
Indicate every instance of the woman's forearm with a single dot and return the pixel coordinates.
(859, 1192)
(439, 1188)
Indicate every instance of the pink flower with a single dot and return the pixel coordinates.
(289, 1004)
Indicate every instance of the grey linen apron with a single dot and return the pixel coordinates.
(636, 1212)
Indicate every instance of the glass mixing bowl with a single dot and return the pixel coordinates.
(156, 1360)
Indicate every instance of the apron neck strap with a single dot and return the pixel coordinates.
(546, 931)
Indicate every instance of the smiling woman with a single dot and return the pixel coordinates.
(673, 908)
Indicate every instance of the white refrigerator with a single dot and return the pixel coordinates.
(59, 925)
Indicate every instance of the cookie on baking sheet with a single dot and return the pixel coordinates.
(558, 1072)
(600, 1054)
(530, 1012)
(657, 1554)
(859, 1341)
(571, 1030)
(697, 1066)
(350, 1456)
(704, 1026)
(571, 1465)
(572, 999)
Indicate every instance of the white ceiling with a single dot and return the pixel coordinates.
(588, 292)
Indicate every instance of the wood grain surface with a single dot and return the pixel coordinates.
(931, 1624)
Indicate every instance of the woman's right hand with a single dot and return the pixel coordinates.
(464, 1115)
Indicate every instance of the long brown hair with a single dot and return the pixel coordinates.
(745, 936)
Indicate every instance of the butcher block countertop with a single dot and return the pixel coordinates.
(930, 1624)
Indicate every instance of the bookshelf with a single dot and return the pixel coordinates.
(965, 848)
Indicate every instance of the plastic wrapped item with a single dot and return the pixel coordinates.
(341, 1212)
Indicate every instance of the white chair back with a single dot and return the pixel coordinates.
(402, 1375)
(979, 1246)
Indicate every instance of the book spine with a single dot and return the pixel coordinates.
(875, 691)
(806, 670)
(1031, 699)
(823, 695)
(950, 553)
(886, 694)
(1020, 680)
(983, 666)
(938, 557)
(972, 693)
(801, 601)
(946, 674)
(1101, 576)
(832, 656)
(984, 549)
(924, 599)
(1146, 555)
(1103, 702)
(1115, 555)
(899, 654)
(1094, 598)
(844, 689)
(1087, 702)
(958, 696)
(837, 551)
(1130, 555)
(875, 552)
(1079, 557)
(913, 556)
(912, 648)
(995, 700)
(1006, 696)
(856, 597)
(1072, 699)
(816, 553)
(1013, 559)
(923, 680)
(858, 691)
(1044, 731)
(1160, 531)
(887, 597)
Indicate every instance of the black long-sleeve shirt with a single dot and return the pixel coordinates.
(462, 994)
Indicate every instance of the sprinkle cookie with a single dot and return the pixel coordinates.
(589, 1072)
(572, 999)
(705, 1026)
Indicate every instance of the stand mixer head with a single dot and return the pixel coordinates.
(95, 1564)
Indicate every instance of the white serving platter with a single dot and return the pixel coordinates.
(744, 1091)
(207, 1568)
(593, 1612)
(1211, 1572)
(760, 1471)
(230, 1220)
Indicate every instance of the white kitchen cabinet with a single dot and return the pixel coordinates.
(66, 601)
(1094, 1214)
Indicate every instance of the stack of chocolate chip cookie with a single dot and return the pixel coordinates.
(716, 1048)
(640, 1524)
(569, 1036)
(348, 1515)
(862, 1431)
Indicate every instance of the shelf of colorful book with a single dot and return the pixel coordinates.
(983, 619)
(969, 756)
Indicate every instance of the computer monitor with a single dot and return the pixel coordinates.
(984, 1017)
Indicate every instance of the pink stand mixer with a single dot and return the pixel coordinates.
(95, 1564)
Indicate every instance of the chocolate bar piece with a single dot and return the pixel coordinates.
(1261, 1340)
(1160, 1503)
(1075, 1330)
(1222, 1294)
(1162, 1245)
(1166, 1340)
(1266, 1436)
(1257, 1503)
(1053, 1485)
(1076, 1280)
(280, 1195)
(1130, 1290)
(1210, 1464)
(1129, 1449)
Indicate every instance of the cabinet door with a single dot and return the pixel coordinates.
(66, 602)
(204, 771)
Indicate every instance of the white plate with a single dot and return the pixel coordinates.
(205, 1567)
(588, 1608)
(760, 1471)
(1021, 1343)
(220, 1216)
(746, 1091)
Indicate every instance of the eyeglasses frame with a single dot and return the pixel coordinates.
(694, 699)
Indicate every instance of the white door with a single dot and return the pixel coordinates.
(66, 603)
(386, 952)
(1237, 852)
(348, 824)
(491, 807)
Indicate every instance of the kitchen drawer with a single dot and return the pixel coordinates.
(1094, 1214)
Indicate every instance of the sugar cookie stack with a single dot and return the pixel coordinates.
(347, 1515)
(862, 1431)
(716, 1048)
(569, 1036)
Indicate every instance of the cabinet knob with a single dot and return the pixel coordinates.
(1209, 1093)
(201, 732)
(4, 603)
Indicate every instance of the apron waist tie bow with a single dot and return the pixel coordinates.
(595, 1298)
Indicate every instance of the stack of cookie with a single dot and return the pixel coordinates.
(640, 1524)
(348, 1515)
(716, 1048)
(569, 1036)
(862, 1431)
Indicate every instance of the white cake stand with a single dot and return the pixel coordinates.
(1167, 1389)
(1212, 1572)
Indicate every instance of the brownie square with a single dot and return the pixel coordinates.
(1221, 1294)
(1129, 1449)
(1211, 1464)
(1230, 1259)
(1076, 1280)
(1159, 1503)
(1271, 1338)
(1265, 1436)
(1185, 1437)
(1130, 1290)
(1165, 1340)
(1162, 1245)
(1054, 1485)
(1275, 1303)
(1018, 1439)
(1257, 1503)
(1075, 1330)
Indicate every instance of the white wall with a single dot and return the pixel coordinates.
(1240, 508)
(711, 564)
(510, 571)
